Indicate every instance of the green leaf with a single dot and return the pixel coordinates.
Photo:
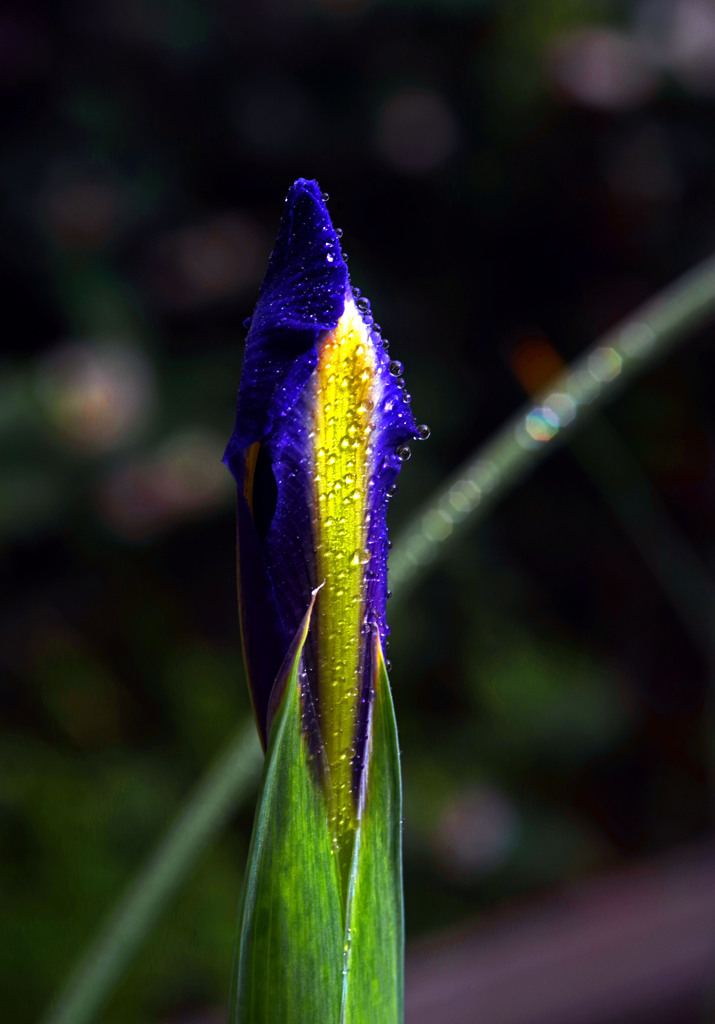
(289, 958)
(374, 984)
(303, 957)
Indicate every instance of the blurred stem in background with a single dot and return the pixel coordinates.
(674, 563)
(209, 807)
(671, 558)
(628, 349)
(464, 500)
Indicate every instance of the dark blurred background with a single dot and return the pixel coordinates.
(511, 179)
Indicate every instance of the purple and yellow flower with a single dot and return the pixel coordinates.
(322, 427)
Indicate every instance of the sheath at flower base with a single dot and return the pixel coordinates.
(322, 427)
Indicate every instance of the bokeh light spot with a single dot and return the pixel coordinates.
(605, 363)
(95, 395)
(180, 480)
(562, 406)
(476, 832)
(416, 130)
(602, 69)
(212, 260)
(541, 424)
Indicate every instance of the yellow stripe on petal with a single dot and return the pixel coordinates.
(344, 403)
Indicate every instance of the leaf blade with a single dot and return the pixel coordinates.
(374, 984)
(288, 963)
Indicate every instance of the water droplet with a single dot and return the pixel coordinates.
(388, 595)
(400, 382)
(423, 431)
(339, 232)
(356, 293)
(247, 322)
(363, 305)
(392, 491)
(396, 368)
(385, 344)
(324, 196)
(388, 664)
(403, 452)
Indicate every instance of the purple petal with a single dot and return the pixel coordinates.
(304, 324)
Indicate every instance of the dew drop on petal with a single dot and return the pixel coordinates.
(403, 452)
(423, 431)
(396, 368)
